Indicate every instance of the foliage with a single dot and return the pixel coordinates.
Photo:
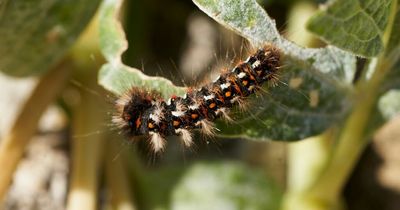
(35, 36)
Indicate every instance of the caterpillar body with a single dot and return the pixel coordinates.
(143, 112)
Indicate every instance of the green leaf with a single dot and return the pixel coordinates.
(36, 34)
(289, 113)
(114, 75)
(315, 83)
(224, 185)
(353, 25)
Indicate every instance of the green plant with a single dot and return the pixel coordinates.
(323, 106)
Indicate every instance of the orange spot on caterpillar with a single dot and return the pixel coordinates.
(176, 123)
(194, 116)
(212, 105)
(150, 125)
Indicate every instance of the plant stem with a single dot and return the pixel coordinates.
(88, 121)
(117, 180)
(87, 151)
(306, 161)
(296, 31)
(353, 139)
(13, 145)
(306, 158)
(325, 190)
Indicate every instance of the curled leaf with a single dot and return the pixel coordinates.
(114, 75)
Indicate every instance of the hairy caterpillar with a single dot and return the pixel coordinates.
(143, 112)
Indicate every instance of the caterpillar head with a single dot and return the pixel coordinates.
(268, 62)
(131, 107)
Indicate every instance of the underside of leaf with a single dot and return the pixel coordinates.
(315, 84)
(115, 76)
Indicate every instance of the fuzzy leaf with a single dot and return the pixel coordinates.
(36, 34)
(114, 75)
(353, 25)
(315, 83)
(224, 185)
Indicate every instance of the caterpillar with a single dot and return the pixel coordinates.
(143, 112)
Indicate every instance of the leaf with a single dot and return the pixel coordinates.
(36, 34)
(315, 83)
(224, 185)
(353, 25)
(114, 75)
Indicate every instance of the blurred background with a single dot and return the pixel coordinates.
(173, 39)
